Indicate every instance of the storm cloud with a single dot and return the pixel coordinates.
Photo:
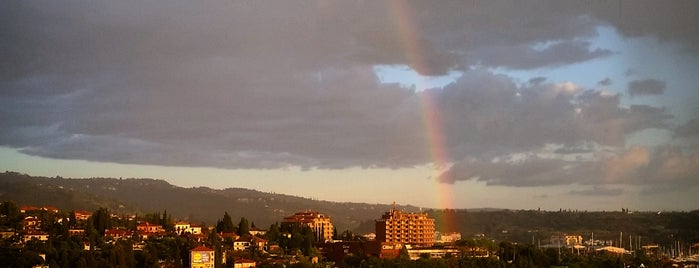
(646, 87)
(243, 84)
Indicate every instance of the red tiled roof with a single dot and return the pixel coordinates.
(202, 248)
(244, 261)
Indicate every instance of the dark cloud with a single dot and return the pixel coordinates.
(486, 113)
(530, 172)
(270, 84)
(527, 57)
(665, 21)
(537, 80)
(646, 87)
(605, 82)
(635, 166)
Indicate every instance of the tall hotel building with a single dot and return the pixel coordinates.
(405, 228)
(320, 223)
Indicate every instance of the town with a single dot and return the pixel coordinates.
(45, 236)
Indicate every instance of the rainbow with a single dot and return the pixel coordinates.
(402, 16)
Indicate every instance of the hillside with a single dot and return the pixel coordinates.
(199, 204)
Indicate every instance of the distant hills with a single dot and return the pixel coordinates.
(199, 204)
(202, 204)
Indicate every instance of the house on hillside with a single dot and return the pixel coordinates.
(248, 241)
(82, 215)
(41, 236)
(147, 228)
(118, 233)
(201, 257)
(244, 263)
(257, 231)
(25, 209)
(73, 232)
(31, 223)
(181, 227)
(194, 229)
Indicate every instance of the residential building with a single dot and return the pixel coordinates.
(257, 231)
(405, 228)
(433, 253)
(117, 233)
(244, 263)
(320, 223)
(248, 241)
(76, 232)
(573, 240)
(201, 257)
(82, 215)
(182, 227)
(147, 228)
(447, 238)
(25, 209)
(41, 236)
(31, 223)
(194, 229)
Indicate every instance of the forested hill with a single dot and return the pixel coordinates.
(199, 204)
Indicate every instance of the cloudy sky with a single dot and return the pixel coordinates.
(462, 104)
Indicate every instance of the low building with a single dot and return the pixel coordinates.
(249, 241)
(82, 215)
(432, 253)
(7, 233)
(447, 238)
(613, 250)
(369, 236)
(25, 209)
(244, 263)
(182, 227)
(201, 257)
(257, 231)
(41, 236)
(147, 228)
(31, 223)
(73, 232)
(572, 240)
(195, 229)
(117, 233)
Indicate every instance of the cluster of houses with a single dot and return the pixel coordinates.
(396, 232)
(32, 224)
(399, 229)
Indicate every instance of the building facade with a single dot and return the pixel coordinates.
(405, 228)
(201, 257)
(320, 224)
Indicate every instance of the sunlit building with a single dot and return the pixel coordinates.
(201, 257)
(320, 223)
(405, 228)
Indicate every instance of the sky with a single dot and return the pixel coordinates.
(587, 105)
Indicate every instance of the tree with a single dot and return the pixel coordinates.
(101, 220)
(243, 227)
(225, 225)
(10, 215)
(273, 233)
(167, 222)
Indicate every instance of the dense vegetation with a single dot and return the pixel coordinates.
(525, 225)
